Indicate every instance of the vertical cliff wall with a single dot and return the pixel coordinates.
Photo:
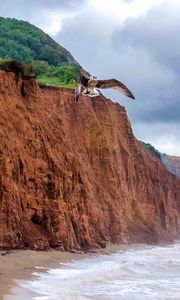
(72, 174)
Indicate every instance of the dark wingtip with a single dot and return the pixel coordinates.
(131, 96)
(76, 98)
(76, 95)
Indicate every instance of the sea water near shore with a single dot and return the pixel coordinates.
(137, 272)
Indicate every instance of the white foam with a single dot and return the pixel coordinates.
(147, 273)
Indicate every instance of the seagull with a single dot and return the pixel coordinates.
(92, 85)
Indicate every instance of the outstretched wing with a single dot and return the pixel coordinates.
(77, 92)
(114, 84)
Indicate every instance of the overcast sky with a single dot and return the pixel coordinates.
(135, 41)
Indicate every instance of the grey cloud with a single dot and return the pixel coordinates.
(153, 40)
(26, 4)
(157, 33)
(87, 37)
(152, 110)
(37, 11)
(128, 1)
(164, 137)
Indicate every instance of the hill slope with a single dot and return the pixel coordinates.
(22, 41)
(73, 175)
(172, 163)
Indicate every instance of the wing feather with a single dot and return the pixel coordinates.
(115, 84)
(84, 79)
(77, 92)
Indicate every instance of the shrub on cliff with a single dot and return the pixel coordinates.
(16, 67)
(151, 150)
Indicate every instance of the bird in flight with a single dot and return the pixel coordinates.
(91, 85)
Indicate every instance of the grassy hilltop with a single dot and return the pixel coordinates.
(52, 63)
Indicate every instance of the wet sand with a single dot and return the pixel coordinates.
(18, 265)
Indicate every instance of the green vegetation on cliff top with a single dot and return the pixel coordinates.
(23, 41)
(151, 150)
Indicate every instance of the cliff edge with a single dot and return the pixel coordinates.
(73, 176)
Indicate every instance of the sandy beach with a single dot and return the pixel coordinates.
(99, 273)
(16, 265)
(20, 264)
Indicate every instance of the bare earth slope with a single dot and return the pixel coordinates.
(73, 175)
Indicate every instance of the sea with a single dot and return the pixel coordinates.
(135, 273)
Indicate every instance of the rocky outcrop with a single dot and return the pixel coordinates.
(73, 175)
(172, 163)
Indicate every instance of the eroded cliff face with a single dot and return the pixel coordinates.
(73, 175)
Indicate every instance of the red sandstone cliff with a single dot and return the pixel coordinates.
(72, 174)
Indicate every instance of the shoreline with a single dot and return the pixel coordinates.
(18, 265)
